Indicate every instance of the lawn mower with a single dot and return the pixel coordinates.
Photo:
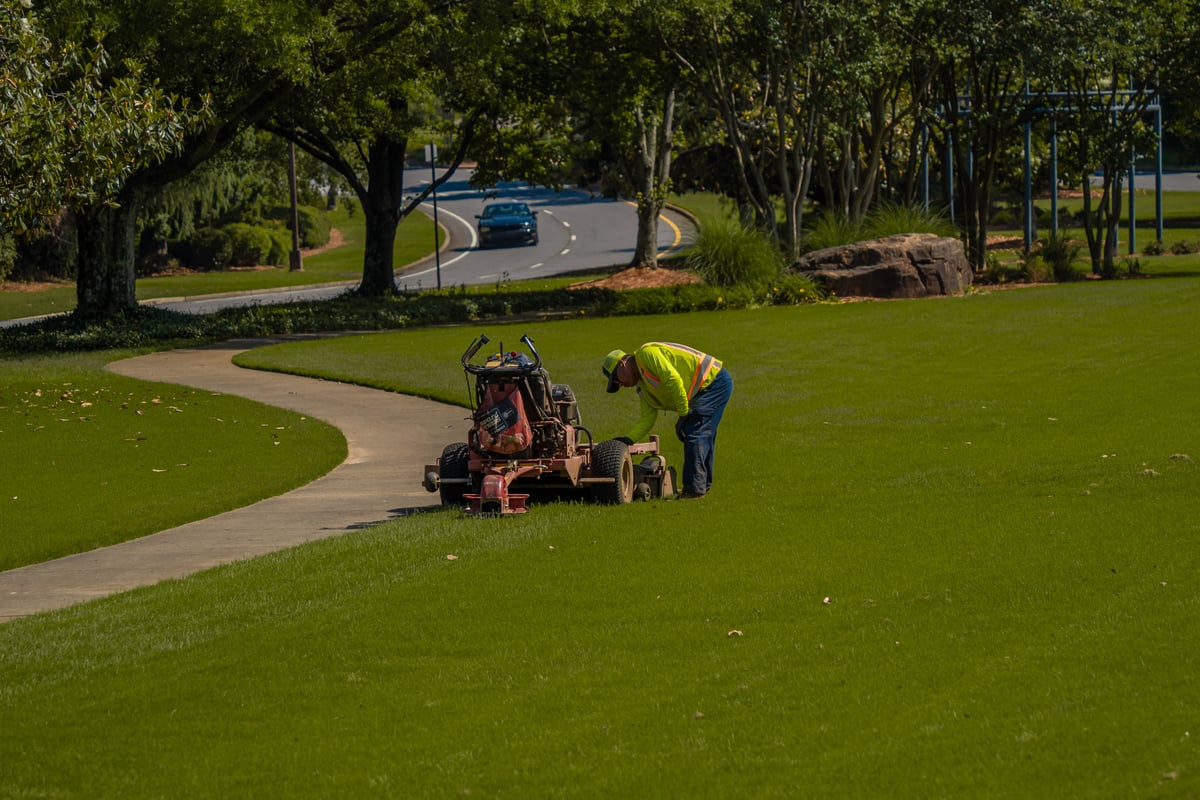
(526, 435)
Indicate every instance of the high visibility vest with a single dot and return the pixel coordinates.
(669, 376)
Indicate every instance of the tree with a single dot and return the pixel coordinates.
(359, 121)
(979, 98)
(623, 99)
(465, 77)
(881, 82)
(1109, 70)
(250, 57)
(71, 136)
(789, 82)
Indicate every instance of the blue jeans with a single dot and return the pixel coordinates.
(698, 432)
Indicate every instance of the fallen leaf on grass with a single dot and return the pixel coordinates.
(734, 632)
(451, 557)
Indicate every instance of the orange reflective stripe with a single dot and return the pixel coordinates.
(701, 373)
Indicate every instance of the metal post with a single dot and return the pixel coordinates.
(295, 259)
(1028, 176)
(925, 166)
(950, 173)
(431, 151)
(1158, 172)
(1132, 214)
(1054, 176)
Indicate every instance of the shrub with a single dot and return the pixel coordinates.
(1184, 247)
(49, 253)
(1035, 268)
(8, 254)
(1154, 248)
(146, 325)
(999, 272)
(281, 247)
(1004, 218)
(727, 253)
(794, 289)
(314, 227)
(1061, 254)
(249, 245)
(207, 249)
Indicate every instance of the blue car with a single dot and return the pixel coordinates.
(506, 223)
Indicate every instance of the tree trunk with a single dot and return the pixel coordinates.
(646, 252)
(655, 143)
(381, 200)
(1112, 227)
(379, 249)
(106, 282)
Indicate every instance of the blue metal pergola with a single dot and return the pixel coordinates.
(1053, 110)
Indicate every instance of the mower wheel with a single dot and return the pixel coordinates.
(455, 466)
(611, 459)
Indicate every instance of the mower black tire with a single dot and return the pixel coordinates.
(455, 465)
(611, 459)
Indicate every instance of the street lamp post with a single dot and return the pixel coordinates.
(295, 260)
(431, 155)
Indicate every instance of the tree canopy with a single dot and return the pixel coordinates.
(800, 105)
(73, 132)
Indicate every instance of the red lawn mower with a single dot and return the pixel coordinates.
(526, 435)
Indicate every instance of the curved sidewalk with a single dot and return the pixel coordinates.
(389, 437)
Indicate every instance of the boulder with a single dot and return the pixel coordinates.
(905, 265)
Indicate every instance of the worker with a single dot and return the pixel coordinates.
(674, 377)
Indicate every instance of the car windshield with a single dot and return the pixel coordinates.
(506, 210)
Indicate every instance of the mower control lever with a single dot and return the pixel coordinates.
(537, 359)
(523, 369)
(474, 348)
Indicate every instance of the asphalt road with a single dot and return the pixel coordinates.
(577, 231)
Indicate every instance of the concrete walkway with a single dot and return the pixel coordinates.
(390, 438)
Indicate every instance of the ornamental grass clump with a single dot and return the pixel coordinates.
(728, 253)
(832, 228)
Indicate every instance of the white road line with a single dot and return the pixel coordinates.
(470, 247)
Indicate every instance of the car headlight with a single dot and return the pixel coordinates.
(484, 228)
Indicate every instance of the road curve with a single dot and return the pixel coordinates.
(389, 437)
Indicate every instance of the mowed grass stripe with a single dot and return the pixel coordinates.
(949, 553)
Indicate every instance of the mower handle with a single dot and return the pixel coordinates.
(482, 340)
(537, 358)
(479, 342)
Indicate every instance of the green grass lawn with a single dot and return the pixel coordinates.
(141, 457)
(950, 552)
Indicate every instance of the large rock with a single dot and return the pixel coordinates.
(906, 265)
